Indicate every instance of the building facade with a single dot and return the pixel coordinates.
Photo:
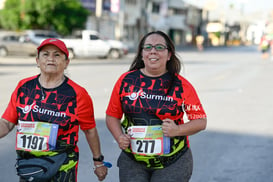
(133, 18)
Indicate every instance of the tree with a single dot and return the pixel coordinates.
(10, 16)
(62, 16)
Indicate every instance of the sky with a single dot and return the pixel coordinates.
(248, 6)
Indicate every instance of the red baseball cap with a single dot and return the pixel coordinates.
(58, 43)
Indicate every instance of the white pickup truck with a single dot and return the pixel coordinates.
(87, 43)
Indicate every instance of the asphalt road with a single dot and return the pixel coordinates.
(234, 85)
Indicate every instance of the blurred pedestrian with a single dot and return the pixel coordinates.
(264, 47)
(48, 110)
(152, 99)
(200, 42)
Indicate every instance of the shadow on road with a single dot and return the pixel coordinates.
(218, 157)
(231, 157)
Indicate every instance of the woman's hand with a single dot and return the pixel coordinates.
(169, 128)
(124, 141)
(100, 171)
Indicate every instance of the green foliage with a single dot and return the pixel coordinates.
(217, 34)
(62, 16)
(10, 16)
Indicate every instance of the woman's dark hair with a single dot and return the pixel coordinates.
(173, 65)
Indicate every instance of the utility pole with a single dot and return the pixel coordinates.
(98, 14)
(121, 20)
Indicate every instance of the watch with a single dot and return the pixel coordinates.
(100, 158)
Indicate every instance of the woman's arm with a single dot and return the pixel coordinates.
(114, 127)
(92, 138)
(170, 129)
(5, 127)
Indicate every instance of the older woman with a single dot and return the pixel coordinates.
(153, 98)
(48, 110)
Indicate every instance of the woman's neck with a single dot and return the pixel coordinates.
(51, 82)
(152, 73)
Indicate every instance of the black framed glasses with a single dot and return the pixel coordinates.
(158, 47)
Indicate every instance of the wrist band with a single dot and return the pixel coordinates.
(97, 166)
(106, 164)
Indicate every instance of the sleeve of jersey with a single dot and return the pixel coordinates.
(193, 106)
(114, 108)
(85, 111)
(10, 113)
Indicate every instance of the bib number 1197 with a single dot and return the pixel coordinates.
(36, 136)
(32, 142)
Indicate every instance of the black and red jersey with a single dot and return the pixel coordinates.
(69, 105)
(148, 100)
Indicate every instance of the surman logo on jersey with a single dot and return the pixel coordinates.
(135, 95)
(27, 108)
(36, 108)
(144, 95)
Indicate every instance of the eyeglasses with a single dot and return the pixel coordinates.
(158, 47)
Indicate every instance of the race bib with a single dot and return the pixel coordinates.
(36, 136)
(148, 140)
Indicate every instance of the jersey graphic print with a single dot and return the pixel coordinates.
(64, 109)
(147, 101)
(68, 105)
(58, 107)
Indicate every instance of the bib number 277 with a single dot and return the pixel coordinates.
(146, 146)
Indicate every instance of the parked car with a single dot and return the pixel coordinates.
(87, 43)
(37, 36)
(23, 43)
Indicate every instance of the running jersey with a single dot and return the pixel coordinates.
(69, 106)
(146, 101)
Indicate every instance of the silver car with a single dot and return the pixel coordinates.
(24, 43)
